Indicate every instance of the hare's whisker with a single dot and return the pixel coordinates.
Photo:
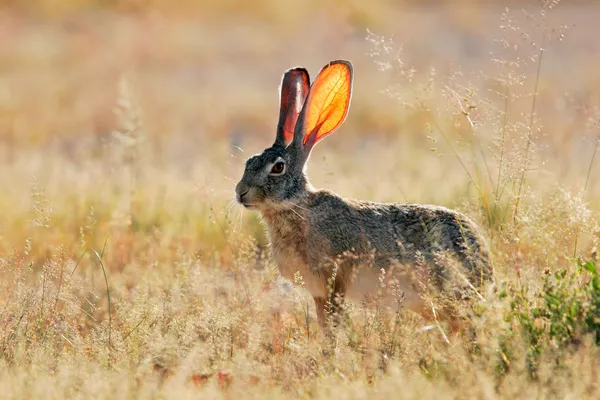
(227, 207)
(238, 220)
(295, 212)
(300, 207)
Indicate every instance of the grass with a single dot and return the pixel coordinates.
(126, 271)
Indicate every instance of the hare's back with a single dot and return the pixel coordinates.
(403, 231)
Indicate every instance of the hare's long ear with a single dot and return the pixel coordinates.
(326, 106)
(293, 91)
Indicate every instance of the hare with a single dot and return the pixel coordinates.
(345, 247)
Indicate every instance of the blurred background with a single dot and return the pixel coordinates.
(181, 93)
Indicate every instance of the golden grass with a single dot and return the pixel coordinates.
(121, 139)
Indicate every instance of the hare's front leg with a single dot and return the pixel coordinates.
(320, 305)
(332, 305)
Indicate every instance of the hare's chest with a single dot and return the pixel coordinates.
(289, 263)
(290, 252)
(292, 267)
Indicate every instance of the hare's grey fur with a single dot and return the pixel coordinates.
(342, 246)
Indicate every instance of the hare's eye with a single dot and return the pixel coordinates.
(278, 168)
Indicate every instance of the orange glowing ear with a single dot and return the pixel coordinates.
(294, 89)
(328, 102)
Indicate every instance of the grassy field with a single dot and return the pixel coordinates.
(127, 271)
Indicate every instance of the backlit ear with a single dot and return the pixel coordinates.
(327, 103)
(294, 89)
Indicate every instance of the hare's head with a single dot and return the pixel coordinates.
(307, 114)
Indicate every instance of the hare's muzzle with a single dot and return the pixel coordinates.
(242, 190)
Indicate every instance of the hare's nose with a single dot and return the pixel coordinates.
(241, 190)
(241, 195)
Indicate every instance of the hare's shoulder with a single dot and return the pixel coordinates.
(327, 208)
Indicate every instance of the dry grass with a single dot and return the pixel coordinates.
(126, 272)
